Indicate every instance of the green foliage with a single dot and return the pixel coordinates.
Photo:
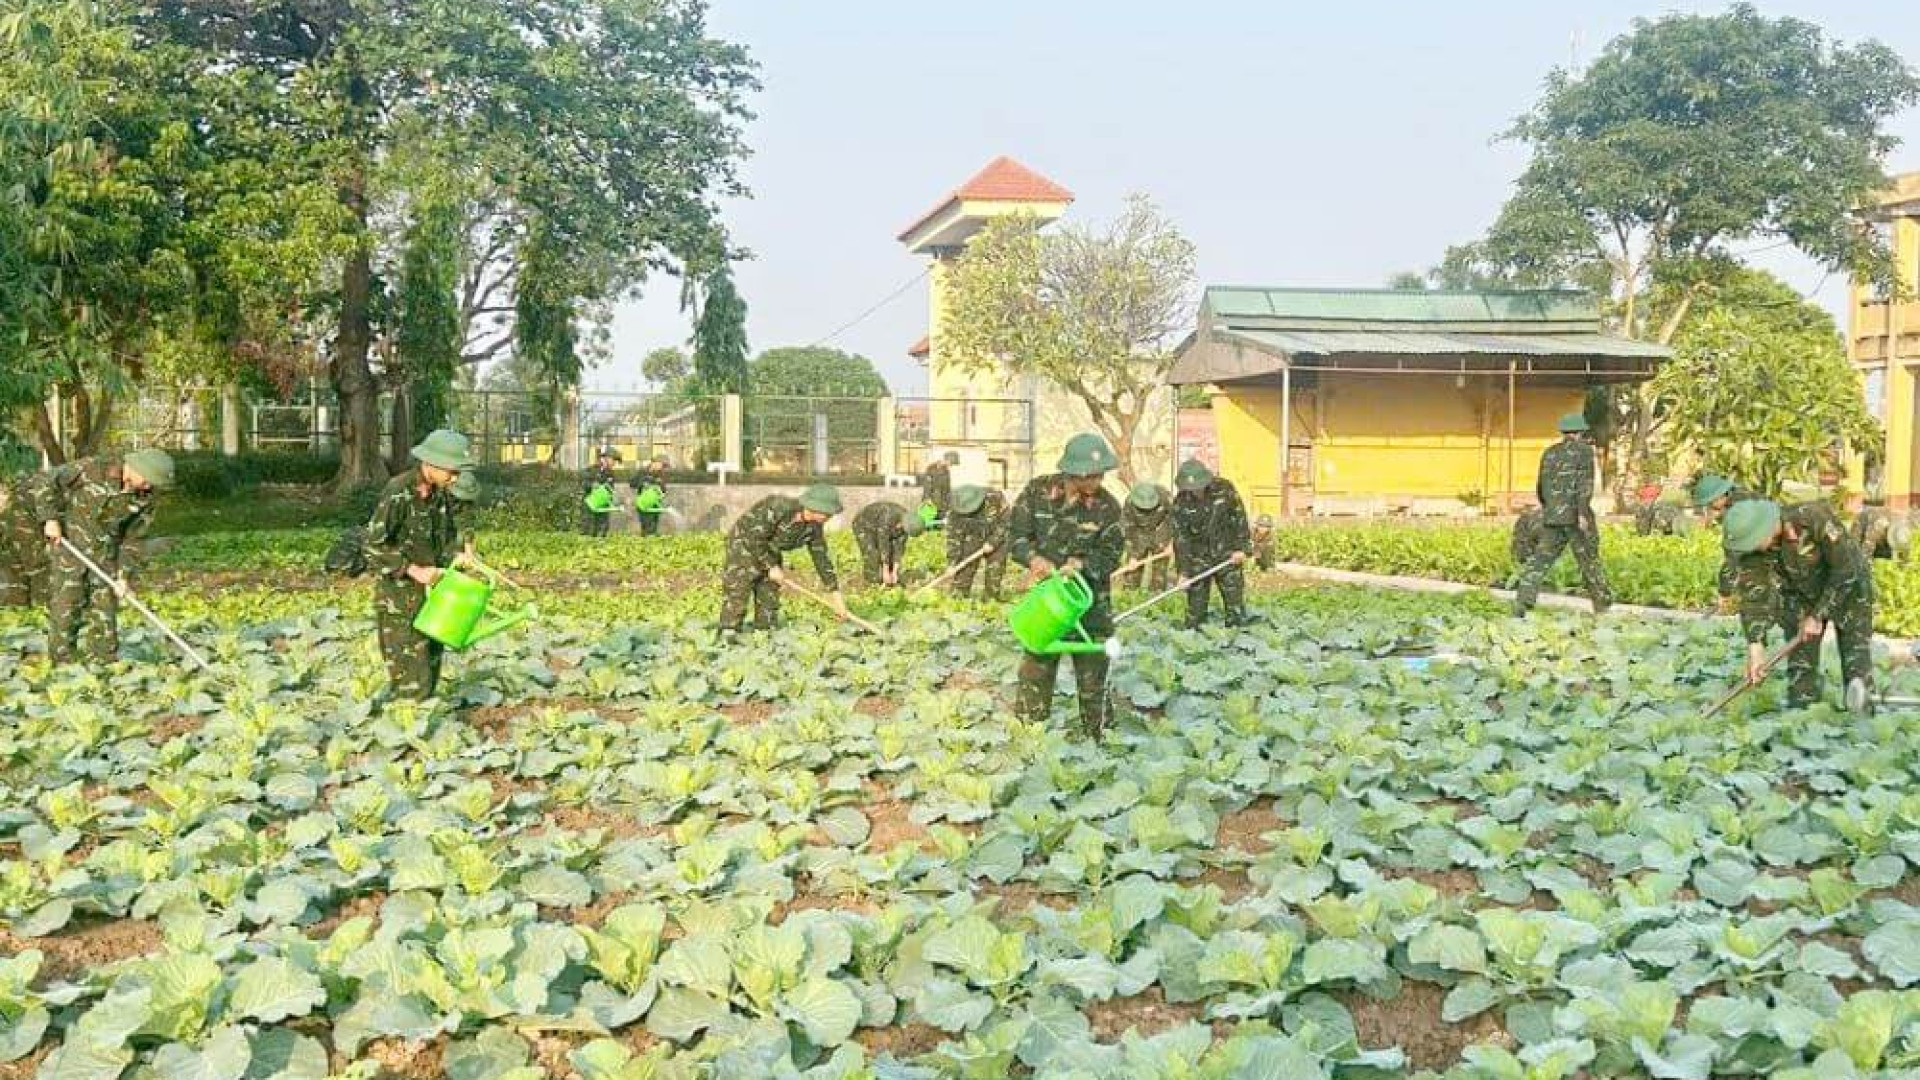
(720, 338)
(811, 371)
(428, 338)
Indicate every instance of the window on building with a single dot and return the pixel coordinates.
(1874, 383)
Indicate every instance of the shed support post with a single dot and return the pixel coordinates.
(1512, 402)
(1286, 439)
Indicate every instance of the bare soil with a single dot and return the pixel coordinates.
(1244, 830)
(1412, 1022)
(1146, 1013)
(73, 952)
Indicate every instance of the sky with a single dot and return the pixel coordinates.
(1327, 144)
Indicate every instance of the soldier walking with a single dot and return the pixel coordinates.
(1820, 578)
(100, 506)
(596, 522)
(977, 519)
(413, 536)
(1565, 489)
(756, 546)
(654, 478)
(882, 530)
(1147, 520)
(1068, 522)
(1209, 528)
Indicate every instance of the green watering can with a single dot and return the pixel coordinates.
(455, 611)
(650, 500)
(1050, 612)
(600, 499)
(929, 515)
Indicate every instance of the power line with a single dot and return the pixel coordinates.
(883, 302)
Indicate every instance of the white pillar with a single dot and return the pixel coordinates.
(230, 421)
(733, 429)
(886, 419)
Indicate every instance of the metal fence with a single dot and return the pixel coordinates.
(999, 430)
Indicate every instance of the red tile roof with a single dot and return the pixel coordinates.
(1003, 180)
(923, 347)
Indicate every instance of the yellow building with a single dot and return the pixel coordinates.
(1392, 401)
(1883, 340)
(1016, 424)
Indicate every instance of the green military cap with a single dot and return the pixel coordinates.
(466, 487)
(821, 499)
(1573, 423)
(1145, 495)
(1264, 521)
(1087, 454)
(1751, 524)
(1193, 476)
(1710, 487)
(153, 466)
(951, 457)
(444, 449)
(610, 452)
(969, 498)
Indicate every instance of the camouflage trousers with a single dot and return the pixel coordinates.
(413, 659)
(83, 615)
(877, 554)
(1263, 554)
(1554, 539)
(1852, 627)
(744, 582)
(1039, 675)
(592, 524)
(1231, 583)
(649, 523)
(991, 569)
(23, 571)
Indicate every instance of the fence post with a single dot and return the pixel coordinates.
(230, 420)
(732, 429)
(886, 427)
(568, 450)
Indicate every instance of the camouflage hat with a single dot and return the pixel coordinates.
(610, 452)
(1264, 521)
(1751, 524)
(1087, 454)
(444, 449)
(951, 457)
(1710, 487)
(1574, 423)
(1144, 496)
(154, 466)
(969, 498)
(1193, 476)
(466, 487)
(821, 499)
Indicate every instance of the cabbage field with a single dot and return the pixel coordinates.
(1372, 836)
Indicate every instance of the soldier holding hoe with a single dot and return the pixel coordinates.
(978, 519)
(100, 506)
(1209, 528)
(1068, 522)
(756, 545)
(1820, 578)
(1147, 520)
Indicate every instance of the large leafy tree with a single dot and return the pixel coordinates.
(1687, 136)
(1095, 311)
(1760, 388)
(789, 382)
(614, 122)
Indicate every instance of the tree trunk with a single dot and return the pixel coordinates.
(49, 438)
(350, 368)
(397, 453)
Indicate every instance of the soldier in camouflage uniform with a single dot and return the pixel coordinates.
(1740, 575)
(1209, 528)
(1147, 519)
(1822, 578)
(755, 549)
(977, 519)
(1068, 522)
(1526, 539)
(1263, 542)
(936, 486)
(100, 506)
(23, 550)
(653, 476)
(593, 522)
(882, 530)
(412, 537)
(1565, 489)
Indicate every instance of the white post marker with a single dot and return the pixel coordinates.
(722, 468)
(125, 593)
(1179, 586)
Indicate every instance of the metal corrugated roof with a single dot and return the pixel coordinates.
(1333, 343)
(1230, 303)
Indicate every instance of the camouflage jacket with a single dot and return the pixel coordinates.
(985, 526)
(407, 530)
(98, 516)
(880, 522)
(1820, 575)
(1147, 530)
(595, 476)
(646, 478)
(1209, 525)
(771, 528)
(1565, 486)
(936, 486)
(1048, 524)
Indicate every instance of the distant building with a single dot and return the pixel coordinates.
(1199, 438)
(1392, 401)
(1017, 423)
(1883, 341)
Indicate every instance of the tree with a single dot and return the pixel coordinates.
(1687, 135)
(1093, 311)
(811, 371)
(616, 122)
(720, 338)
(428, 335)
(666, 368)
(1760, 389)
